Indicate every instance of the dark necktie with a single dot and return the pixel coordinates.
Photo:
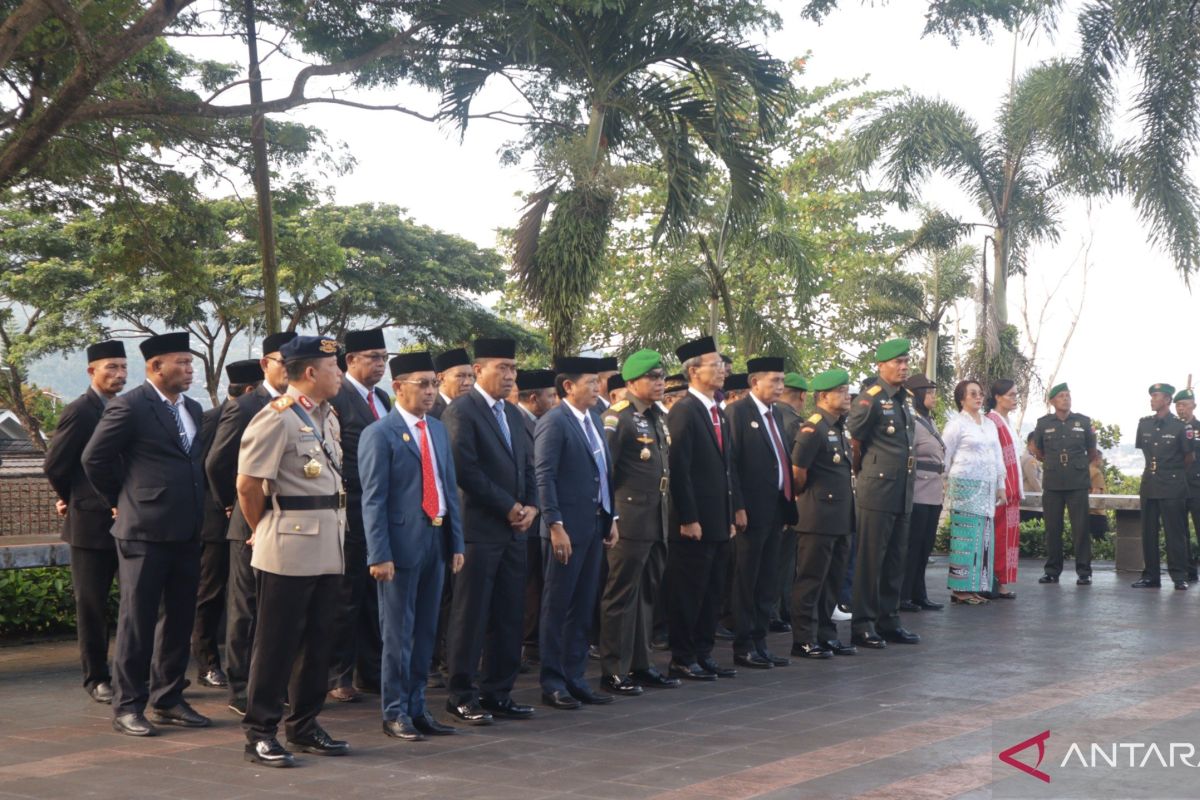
(781, 455)
(498, 410)
(717, 429)
(598, 457)
(184, 441)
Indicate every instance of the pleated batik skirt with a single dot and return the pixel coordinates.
(970, 535)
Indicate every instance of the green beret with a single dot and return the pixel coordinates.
(1185, 394)
(830, 379)
(794, 380)
(640, 363)
(893, 348)
(1059, 387)
(1165, 388)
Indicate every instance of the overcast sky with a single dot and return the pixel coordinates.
(1138, 316)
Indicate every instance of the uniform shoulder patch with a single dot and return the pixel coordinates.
(808, 429)
(282, 403)
(814, 419)
(619, 406)
(874, 390)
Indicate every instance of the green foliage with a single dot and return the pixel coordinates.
(40, 600)
(1033, 541)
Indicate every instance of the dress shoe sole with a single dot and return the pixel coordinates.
(598, 701)
(563, 706)
(508, 714)
(129, 732)
(824, 654)
(319, 751)
(213, 684)
(444, 731)
(269, 762)
(881, 645)
(104, 701)
(181, 723)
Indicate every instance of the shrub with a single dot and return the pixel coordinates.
(40, 600)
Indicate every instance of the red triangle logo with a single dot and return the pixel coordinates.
(1040, 740)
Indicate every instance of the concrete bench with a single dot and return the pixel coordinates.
(1127, 510)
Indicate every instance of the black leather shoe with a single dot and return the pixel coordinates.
(901, 636)
(1181, 585)
(429, 726)
(810, 650)
(1048, 579)
(724, 633)
(836, 647)
(586, 696)
(751, 660)
(1085, 580)
(133, 725)
(776, 661)
(711, 666)
(270, 753)
(470, 712)
(214, 678)
(402, 728)
(653, 679)
(868, 640)
(505, 708)
(929, 605)
(689, 672)
(320, 743)
(238, 705)
(779, 626)
(907, 606)
(102, 692)
(561, 700)
(1146, 583)
(622, 687)
(182, 715)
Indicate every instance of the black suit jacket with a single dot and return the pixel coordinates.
(137, 463)
(491, 478)
(755, 464)
(439, 407)
(215, 521)
(89, 516)
(704, 486)
(353, 415)
(221, 462)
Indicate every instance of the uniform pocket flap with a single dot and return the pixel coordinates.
(147, 494)
(301, 526)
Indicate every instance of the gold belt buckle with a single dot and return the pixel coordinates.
(911, 462)
(663, 482)
(341, 500)
(1154, 465)
(436, 522)
(1063, 459)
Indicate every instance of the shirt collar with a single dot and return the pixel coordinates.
(709, 403)
(362, 390)
(487, 398)
(763, 408)
(270, 389)
(579, 415)
(179, 398)
(409, 420)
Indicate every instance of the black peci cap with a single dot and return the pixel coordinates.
(764, 364)
(696, 348)
(247, 371)
(576, 365)
(358, 341)
(275, 341)
(494, 348)
(109, 349)
(529, 380)
(177, 342)
(405, 363)
(458, 357)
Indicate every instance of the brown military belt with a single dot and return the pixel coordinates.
(929, 466)
(307, 502)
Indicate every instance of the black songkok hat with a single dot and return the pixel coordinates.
(576, 365)
(458, 357)
(405, 363)
(494, 348)
(737, 382)
(274, 342)
(764, 364)
(696, 348)
(609, 364)
(109, 349)
(358, 341)
(248, 371)
(529, 380)
(178, 342)
(615, 382)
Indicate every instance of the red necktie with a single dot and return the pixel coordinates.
(717, 429)
(783, 463)
(371, 403)
(429, 495)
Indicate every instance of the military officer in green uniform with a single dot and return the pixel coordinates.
(1185, 408)
(1167, 445)
(1065, 442)
(882, 426)
(825, 500)
(636, 428)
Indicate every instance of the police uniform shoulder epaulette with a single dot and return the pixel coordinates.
(874, 390)
(808, 429)
(814, 419)
(282, 403)
(619, 406)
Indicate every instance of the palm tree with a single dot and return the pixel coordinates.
(606, 83)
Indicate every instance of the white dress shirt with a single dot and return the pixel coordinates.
(189, 424)
(763, 412)
(368, 395)
(411, 422)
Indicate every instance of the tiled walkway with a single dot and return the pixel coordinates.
(908, 722)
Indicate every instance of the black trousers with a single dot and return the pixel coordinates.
(485, 621)
(443, 621)
(292, 648)
(696, 571)
(210, 604)
(785, 575)
(241, 610)
(92, 573)
(358, 648)
(1075, 502)
(878, 571)
(535, 581)
(1171, 515)
(1193, 510)
(635, 570)
(756, 560)
(820, 568)
(151, 656)
(922, 532)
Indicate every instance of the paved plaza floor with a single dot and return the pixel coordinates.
(1103, 663)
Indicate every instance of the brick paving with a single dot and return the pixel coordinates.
(907, 722)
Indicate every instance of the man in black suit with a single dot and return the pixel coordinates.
(243, 377)
(536, 395)
(220, 465)
(609, 368)
(360, 402)
(704, 495)
(87, 517)
(455, 375)
(144, 459)
(764, 472)
(791, 406)
(494, 468)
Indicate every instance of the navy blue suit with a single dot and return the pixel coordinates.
(569, 491)
(397, 530)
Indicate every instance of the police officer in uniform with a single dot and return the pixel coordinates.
(1065, 442)
(825, 501)
(637, 435)
(1185, 408)
(290, 488)
(1167, 444)
(882, 429)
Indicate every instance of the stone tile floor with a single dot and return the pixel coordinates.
(907, 722)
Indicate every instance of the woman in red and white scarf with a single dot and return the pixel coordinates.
(1002, 399)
